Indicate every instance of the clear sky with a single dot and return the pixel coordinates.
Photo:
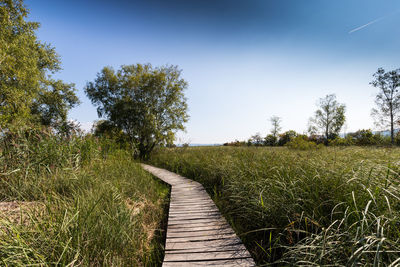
(245, 60)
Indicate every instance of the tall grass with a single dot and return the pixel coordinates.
(95, 205)
(333, 206)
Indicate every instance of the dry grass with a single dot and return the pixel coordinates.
(20, 212)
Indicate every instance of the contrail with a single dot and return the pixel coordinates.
(365, 25)
(372, 22)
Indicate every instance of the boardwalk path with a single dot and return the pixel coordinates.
(197, 233)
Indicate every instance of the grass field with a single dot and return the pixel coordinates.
(77, 202)
(331, 206)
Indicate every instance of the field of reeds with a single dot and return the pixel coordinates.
(327, 206)
(76, 201)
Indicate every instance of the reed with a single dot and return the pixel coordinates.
(92, 204)
(331, 206)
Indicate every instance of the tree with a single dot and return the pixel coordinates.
(329, 118)
(276, 125)
(286, 137)
(25, 64)
(256, 140)
(147, 103)
(387, 100)
(51, 105)
(270, 140)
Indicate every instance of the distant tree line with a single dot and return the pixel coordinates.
(328, 120)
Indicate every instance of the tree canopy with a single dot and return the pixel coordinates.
(25, 65)
(147, 103)
(387, 111)
(329, 118)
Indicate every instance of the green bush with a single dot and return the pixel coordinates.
(301, 143)
(338, 141)
(270, 140)
(366, 137)
(286, 137)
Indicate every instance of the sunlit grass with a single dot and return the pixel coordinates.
(97, 207)
(317, 207)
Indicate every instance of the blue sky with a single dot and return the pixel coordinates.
(245, 60)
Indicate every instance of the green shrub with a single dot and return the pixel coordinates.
(365, 137)
(286, 137)
(301, 143)
(338, 141)
(270, 140)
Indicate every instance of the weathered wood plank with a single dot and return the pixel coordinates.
(176, 229)
(215, 263)
(221, 237)
(192, 209)
(217, 244)
(190, 216)
(197, 234)
(223, 255)
(189, 224)
(189, 221)
(235, 247)
(200, 233)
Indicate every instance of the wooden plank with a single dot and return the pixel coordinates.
(200, 233)
(217, 244)
(236, 247)
(216, 263)
(202, 215)
(193, 208)
(191, 198)
(193, 205)
(197, 221)
(176, 229)
(193, 212)
(188, 191)
(221, 255)
(177, 209)
(191, 224)
(201, 238)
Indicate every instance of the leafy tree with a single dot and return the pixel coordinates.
(364, 137)
(51, 106)
(329, 118)
(25, 63)
(147, 103)
(286, 137)
(270, 140)
(276, 125)
(256, 140)
(387, 100)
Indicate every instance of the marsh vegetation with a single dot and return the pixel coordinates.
(327, 206)
(77, 201)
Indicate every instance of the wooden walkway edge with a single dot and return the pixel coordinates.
(197, 234)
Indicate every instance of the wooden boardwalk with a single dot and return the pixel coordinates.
(197, 234)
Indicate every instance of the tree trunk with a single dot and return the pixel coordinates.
(391, 127)
(326, 134)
